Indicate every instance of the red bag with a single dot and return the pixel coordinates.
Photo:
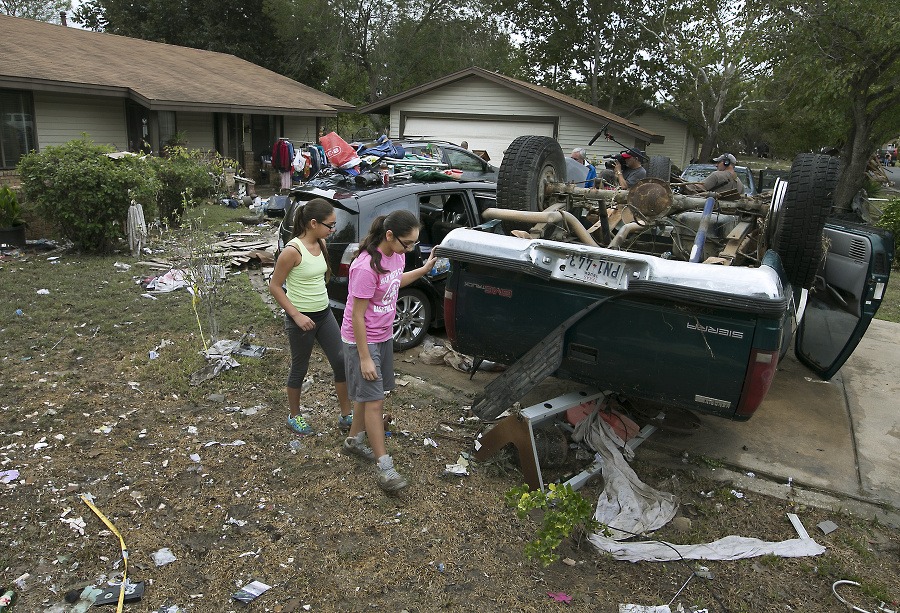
(337, 151)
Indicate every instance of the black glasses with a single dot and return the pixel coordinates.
(330, 226)
(405, 245)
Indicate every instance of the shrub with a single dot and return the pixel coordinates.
(84, 191)
(187, 177)
(890, 220)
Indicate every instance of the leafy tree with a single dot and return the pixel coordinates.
(39, 10)
(714, 58)
(227, 26)
(586, 49)
(841, 63)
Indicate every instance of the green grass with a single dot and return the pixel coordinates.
(94, 327)
(890, 305)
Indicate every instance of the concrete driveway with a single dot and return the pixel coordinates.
(834, 444)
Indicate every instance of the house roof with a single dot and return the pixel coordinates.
(544, 94)
(41, 56)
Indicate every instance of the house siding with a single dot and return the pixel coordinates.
(680, 145)
(300, 129)
(478, 96)
(199, 129)
(62, 118)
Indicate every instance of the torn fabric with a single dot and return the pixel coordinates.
(727, 548)
(627, 505)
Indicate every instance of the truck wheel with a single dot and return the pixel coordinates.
(795, 226)
(528, 164)
(412, 320)
(660, 167)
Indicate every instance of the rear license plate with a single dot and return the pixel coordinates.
(594, 271)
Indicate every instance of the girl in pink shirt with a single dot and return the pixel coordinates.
(376, 276)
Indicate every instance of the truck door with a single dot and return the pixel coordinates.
(847, 292)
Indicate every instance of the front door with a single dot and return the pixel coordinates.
(137, 123)
(845, 296)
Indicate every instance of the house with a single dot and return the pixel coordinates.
(680, 145)
(489, 110)
(57, 83)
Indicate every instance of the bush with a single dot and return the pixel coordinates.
(84, 191)
(187, 177)
(890, 220)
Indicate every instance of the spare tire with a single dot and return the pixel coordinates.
(795, 225)
(660, 167)
(528, 164)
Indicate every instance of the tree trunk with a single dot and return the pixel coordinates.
(709, 142)
(854, 155)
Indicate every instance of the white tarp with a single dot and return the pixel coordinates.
(629, 506)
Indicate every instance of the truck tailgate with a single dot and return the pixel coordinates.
(677, 333)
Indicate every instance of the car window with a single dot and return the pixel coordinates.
(428, 150)
(463, 160)
(693, 174)
(485, 201)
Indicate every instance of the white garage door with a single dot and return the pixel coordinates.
(492, 135)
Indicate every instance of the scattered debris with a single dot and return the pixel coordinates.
(163, 556)
(251, 591)
(827, 526)
(560, 597)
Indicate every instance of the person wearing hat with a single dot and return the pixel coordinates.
(625, 177)
(722, 179)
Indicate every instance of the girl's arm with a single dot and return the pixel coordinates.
(418, 273)
(358, 317)
(288, 259)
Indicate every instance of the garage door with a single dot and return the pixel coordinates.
(492, 135)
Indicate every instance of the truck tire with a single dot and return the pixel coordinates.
(659, 167)
(797, 224)
(412, 320)
(529, 162)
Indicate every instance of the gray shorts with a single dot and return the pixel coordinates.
(361, 390)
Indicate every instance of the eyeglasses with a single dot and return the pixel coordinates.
(330, 226)
(405, 245)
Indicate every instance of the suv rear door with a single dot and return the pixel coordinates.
(846, 295)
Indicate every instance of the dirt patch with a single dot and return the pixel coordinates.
(213, 474)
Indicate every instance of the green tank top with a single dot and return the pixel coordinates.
(306, 281)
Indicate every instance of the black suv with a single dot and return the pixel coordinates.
(473, 167)
(440, 206)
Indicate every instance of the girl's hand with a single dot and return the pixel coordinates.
(303, 322)
(367, 366)
(430, 263)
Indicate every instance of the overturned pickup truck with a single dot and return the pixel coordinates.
(674, 302)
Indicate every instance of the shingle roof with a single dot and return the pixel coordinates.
(529, 89)
(42, 56)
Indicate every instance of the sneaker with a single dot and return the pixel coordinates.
(388, 478)
(353, 446)
(298, 424)
(345, 422)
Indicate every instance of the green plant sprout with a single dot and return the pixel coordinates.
(565, 510)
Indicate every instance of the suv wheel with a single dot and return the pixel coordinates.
(412, 320)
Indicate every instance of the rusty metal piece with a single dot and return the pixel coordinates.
(650, 197)
(557, 217)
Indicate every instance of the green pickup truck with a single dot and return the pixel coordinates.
(676, 302)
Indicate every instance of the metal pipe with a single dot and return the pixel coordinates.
(535, 217)
(622, 234)
(697, 249)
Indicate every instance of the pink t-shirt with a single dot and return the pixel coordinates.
(380, 289)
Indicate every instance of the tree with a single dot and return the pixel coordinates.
(714, 58)
(844, 58)
(39, 10)
(586, 49)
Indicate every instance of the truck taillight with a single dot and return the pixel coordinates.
(347, 259)
(450, 315)
(759, 377)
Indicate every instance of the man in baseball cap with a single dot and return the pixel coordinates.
(722, 179)
(626, 176)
